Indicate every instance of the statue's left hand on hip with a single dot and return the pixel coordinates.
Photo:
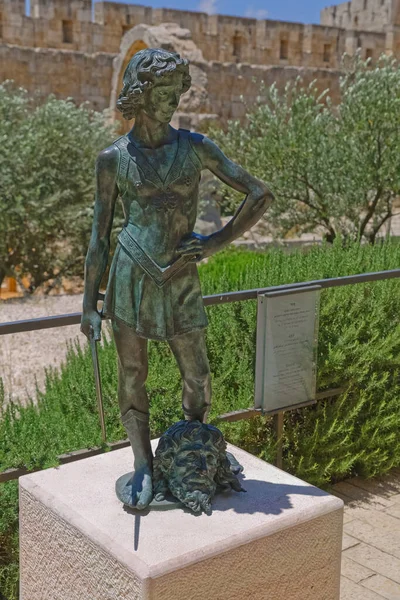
(200, 246)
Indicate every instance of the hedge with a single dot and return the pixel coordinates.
(359, 349)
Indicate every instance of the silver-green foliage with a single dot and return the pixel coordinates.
(359, 349)
(47, 156)
(332, 168)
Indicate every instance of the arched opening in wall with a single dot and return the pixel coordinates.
(124, 125)
(67, 32)
(128, 24)
(1, 26)
(365, 4)
(284, 49)
(369, 53)
(355, 21)
(237, 44)
(327, 53)
(27, 7)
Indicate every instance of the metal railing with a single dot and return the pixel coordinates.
(213, 300)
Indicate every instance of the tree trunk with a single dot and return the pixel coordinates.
(330, 236)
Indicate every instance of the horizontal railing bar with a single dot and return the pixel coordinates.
(40, 323)
(250, 413)
(12, 474)
(225, 298)
(240, 415)
(86, 453)
(324, 283)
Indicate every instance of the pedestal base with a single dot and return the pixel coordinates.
(280, 541)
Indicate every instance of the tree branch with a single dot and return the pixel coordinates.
(2, 276)
(379, 225)
(325, 220)
(370, 211)
(304, 201)
(58, 277)
(304, 179)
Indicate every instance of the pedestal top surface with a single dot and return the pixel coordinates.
(157, 542)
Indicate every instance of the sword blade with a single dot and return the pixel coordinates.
(99, 393)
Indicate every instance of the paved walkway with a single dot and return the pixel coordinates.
(371, 539)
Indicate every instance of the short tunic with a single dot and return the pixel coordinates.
(158, 215)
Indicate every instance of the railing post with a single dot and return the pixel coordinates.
(278, 426)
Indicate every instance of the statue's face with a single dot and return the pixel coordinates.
(162, 100)
(197, 464)
(191, 463)
(193, 474)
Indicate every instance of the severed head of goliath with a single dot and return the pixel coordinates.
(191, 463)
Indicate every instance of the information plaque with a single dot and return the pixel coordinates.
(287, 334)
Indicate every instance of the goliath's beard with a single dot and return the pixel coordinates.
(188, 492)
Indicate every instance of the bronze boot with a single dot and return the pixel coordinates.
(137, 489)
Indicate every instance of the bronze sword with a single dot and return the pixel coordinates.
(99, 393)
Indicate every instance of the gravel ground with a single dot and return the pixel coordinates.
(24, 356)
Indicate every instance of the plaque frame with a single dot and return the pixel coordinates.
(260, 401)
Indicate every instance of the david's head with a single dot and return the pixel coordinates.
(153, 82)
(191, 463)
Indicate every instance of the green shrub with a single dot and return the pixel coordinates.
(47, 156)
(333, 167)
(359, 348)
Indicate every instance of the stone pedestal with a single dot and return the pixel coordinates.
(279, 541)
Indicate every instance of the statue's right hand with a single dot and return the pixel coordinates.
(91, 324)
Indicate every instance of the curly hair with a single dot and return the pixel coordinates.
(142, 71)
(210, 436)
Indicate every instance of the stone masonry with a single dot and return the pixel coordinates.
(363, 15)
(68, 25)
(71, 49)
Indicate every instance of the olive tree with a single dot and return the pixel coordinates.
(333, 168)
(47, 157)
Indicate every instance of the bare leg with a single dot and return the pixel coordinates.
(191, 354)
(134, 407)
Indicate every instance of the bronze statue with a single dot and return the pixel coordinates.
(191, 463)
(153, 290)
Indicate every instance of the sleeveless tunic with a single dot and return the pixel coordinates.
(158, 214)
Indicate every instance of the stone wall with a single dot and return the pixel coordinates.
(68, 25)
(84, 77)
(60, 24)
(368, 15)
(59, 49)
(87, 77)
(226, 84)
